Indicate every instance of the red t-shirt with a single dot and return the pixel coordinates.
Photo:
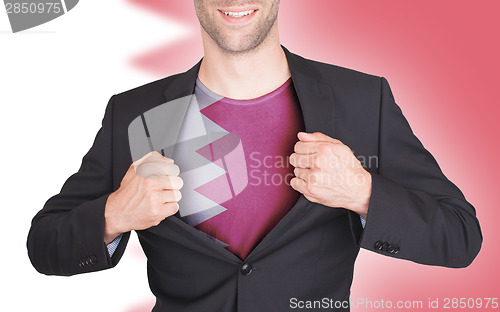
(267, 128)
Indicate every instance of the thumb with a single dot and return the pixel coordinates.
(152, 158)
(316, 137)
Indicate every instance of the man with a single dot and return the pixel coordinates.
(261, 246)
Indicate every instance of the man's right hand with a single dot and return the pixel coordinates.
(148, 193)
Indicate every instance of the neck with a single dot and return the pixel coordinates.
(245, 75)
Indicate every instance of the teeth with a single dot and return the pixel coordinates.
(239, 14)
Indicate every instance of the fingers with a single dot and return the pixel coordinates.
(165, 183)
(298, 184)
(157, 169)
(311, 176)
(303, 174)
(164, 211)
(171, 208)
(171, 183)
(303, 161)
(152, 154)
(305, 147)
(171, 196)
(302, 147)
(311, 143)
(301, 186)
(316, 137)
(168, 160)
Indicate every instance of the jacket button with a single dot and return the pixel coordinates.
(93, 260)
(384, 246)
(83, 263)
(390, 249)
(246, 269)
(378, 245)
(396, 249)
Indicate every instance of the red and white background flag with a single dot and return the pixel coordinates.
(440, 57)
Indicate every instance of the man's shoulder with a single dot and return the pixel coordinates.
(335, 74)
(153, 89)
(131, 103)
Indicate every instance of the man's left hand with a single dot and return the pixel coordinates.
(327, 172)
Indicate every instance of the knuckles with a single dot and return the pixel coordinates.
(172, 208)
(172, 183)
(177, 182)
(292, 159)
(177, 195)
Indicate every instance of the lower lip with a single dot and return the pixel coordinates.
(237, 20)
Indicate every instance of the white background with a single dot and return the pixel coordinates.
(55, 81)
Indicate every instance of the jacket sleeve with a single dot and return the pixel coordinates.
(67, 235)
(415, 212)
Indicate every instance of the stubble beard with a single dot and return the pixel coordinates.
(247, 44)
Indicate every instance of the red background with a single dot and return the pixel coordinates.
(441, 59)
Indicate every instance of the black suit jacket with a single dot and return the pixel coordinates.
(415, 212)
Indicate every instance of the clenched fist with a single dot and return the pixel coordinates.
(148, 193)
(327, 172)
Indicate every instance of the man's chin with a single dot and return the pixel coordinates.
(239, 45)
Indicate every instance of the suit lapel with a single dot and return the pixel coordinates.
(315, 98)
(183, 84)
(318, 109)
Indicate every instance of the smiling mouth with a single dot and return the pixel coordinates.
(238, 14)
